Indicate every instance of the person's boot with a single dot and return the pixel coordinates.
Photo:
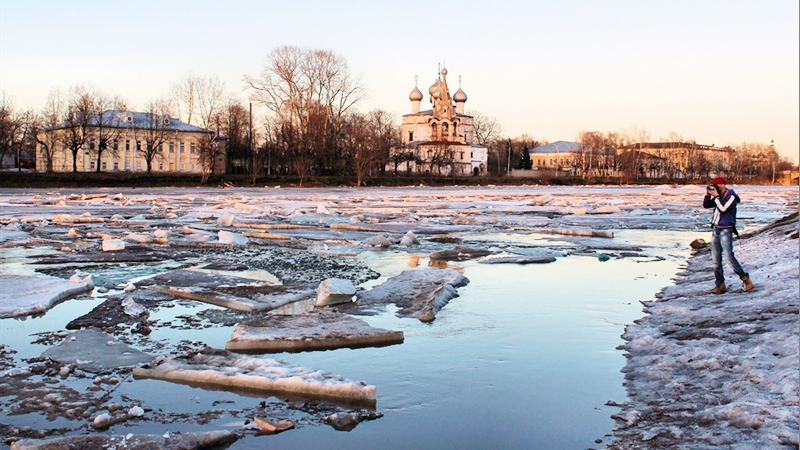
(720, 289)
(748, 285)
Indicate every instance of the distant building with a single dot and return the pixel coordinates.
(550, 160)
(438, 141)
(679, 159)
(554, 156)
(128, 137)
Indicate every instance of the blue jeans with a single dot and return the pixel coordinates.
(722, 243)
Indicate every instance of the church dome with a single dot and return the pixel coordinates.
(415, 95)
(460, 96)
(434, 89)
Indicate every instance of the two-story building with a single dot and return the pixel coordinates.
(128, 140)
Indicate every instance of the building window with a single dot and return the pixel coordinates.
(127, 145)
(192, 149)
(172, 146)
(139, 145)
(461, 155)
(115, 145)
(160, 166)
(127, 165)
(181, 147)
(91, 144)
(138, 165)
(103, 165)
(410, 136)
(116, 165)
(91, 164)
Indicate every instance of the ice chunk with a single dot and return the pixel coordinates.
(419, 293)
(22, 295)
(409, 239)
(377, 241)
(223, 369)
(132, 308)
(95, 351)
(320, 330)
(334, 291)
(607, 209)
(226, 219)
(226, 237)
(113, 245)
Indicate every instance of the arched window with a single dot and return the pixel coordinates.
(433, 130)
(444, 129)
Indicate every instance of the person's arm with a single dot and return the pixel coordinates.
(723, 206)
(708, 201)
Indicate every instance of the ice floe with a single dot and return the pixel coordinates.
(23, 295)
(320, 330)
(223, 369)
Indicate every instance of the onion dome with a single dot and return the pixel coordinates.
(460, 96)
(435, 88)
(444, 72)
(415, 95)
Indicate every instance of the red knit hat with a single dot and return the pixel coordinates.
(719, 180)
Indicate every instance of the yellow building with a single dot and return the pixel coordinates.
(126, 141)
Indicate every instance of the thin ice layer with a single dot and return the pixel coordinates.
(223, 369)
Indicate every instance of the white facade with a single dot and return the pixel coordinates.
(439, 140)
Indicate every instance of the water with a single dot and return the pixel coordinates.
(525, 358)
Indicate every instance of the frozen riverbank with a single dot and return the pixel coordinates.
(718, 372)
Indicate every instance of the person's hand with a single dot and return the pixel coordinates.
(711, 190)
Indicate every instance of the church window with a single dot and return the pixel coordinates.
(410, 136)
(433, 130)
(444, 129)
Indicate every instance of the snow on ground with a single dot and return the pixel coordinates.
(718, 371)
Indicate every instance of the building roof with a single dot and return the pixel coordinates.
(557, 147)
(137, 120)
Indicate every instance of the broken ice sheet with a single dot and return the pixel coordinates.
(320, 330)
(224, 370)
(22, 295)
(95, 351)
(419, 293)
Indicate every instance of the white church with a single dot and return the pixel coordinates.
(438, 141)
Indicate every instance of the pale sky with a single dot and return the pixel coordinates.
(718, 72)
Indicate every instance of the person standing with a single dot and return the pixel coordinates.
(724, 202)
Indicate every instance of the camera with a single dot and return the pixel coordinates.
(711, 187)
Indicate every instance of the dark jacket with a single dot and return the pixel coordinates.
(724, 209)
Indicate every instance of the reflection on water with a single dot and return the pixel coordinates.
(524, 358)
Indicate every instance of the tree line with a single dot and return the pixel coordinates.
(312, 127)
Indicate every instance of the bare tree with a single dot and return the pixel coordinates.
(153, 128)
(184, 97)
(106, 123)
(43, 128)
(309, 91)
(77, 121)
(12, 129)
(384, 135)
(487, 128)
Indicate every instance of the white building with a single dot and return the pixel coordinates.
(438, 141)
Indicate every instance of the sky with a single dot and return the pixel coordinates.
(716, 72)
